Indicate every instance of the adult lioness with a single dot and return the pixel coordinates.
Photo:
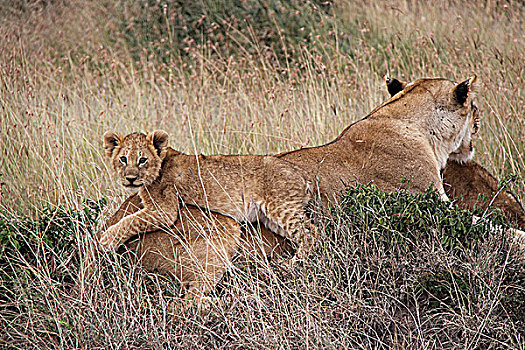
(466, 181)
(196, 251)
(410, 136)
(465, 150)
(398, 139)
(198, 248)
(246, 188)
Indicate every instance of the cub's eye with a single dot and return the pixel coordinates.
(124, 160)
(142, 160)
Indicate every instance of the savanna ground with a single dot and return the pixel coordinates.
(253, 77)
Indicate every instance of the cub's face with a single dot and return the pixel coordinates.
(136, 158)
(456, 116)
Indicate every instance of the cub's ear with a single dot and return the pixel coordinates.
(111, 140)
(462, 91)
(393, 85)
(159, 139)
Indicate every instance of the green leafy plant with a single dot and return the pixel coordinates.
(401, 216)
(54, 226)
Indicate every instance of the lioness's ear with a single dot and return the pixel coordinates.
(159, 139)
(393, 85)
(461, 92)
(111, 140)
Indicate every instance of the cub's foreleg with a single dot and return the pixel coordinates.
(161, 209)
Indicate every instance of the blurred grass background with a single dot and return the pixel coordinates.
(233, 76)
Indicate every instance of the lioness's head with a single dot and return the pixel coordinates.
(465, 151)
(454, 115)
(136, 158)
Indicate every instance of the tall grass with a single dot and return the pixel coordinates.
(391, 270)
(63, 86)
(229, 77)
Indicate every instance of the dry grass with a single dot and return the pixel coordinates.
(60, 90)
(68, 75)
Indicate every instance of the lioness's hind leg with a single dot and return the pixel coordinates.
(207, 258)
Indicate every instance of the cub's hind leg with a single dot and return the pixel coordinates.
(289, 219)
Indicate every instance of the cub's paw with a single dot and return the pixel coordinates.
(110, 238)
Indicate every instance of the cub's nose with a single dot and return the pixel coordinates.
(131, 178)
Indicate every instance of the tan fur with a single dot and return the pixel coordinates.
(245, 188)
(465, 151)
(468, 183)
(265, 244)
(410, 136)
(465, 181)
(394, 141)
(196, 251)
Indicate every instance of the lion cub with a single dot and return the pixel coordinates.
(245, 188)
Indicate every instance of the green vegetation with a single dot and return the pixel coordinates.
(55, 227)
(225, 27)
(399, 218)
(253, 77)
(393, 267)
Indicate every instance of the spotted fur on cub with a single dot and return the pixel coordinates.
(272, 191)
